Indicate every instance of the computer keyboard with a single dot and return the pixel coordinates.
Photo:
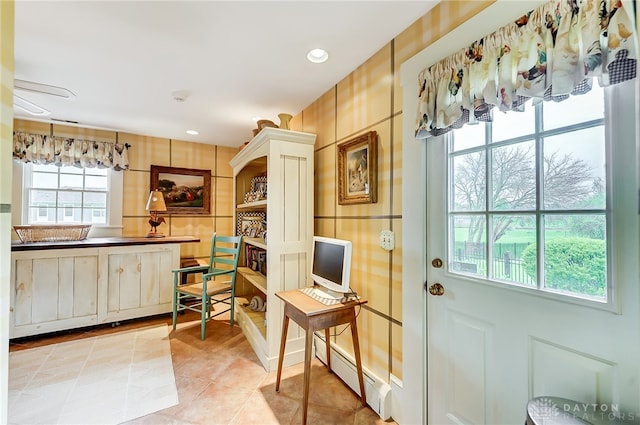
(319, 295)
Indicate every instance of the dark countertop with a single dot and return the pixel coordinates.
(99, 243)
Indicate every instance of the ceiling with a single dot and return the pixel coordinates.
(232, 60)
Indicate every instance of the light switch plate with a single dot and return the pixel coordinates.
(387, 240)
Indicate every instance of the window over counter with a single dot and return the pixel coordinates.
(71, 195)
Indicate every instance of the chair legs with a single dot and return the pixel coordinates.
(205, 304)
(232, 300)
(203, 317)
(175, 300)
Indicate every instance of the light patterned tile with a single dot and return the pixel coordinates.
(327, 391)
(216, 404)
(267, 407)
(208, 368)
(92, 380)
(35, 409)
(197, 364)
(320, 415)
(242, 373)
(369, 417)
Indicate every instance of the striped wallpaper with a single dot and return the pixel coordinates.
(370, 98)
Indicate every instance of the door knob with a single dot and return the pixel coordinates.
(436, 262)
(436, 289)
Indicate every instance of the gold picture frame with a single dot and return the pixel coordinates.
(185, 190)
(358, 170)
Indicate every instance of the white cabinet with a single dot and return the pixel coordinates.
(52, 290)
(58, 289)
(140, 281)
(286, 157)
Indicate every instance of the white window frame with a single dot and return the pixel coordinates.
(620, 116)
(115, 189)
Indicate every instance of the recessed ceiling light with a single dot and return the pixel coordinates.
(192, 132)
(317, 55)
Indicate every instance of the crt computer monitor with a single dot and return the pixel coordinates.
(331, 265)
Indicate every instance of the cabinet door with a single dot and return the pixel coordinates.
(138, 280)
(54, 288)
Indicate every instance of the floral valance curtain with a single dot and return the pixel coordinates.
(61, 151)
(551, 53)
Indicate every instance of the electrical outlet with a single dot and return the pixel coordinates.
(387, 240)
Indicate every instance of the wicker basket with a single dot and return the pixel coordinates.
(52, 232)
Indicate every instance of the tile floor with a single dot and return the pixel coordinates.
(108, 378)
(221, 381)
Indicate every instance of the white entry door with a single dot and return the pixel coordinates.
(505, 325)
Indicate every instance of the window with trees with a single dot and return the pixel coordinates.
(528, 197)
(65, 194)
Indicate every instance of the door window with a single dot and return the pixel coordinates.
(527, 198)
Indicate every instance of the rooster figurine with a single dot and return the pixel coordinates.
(154, 222)
(155, 204)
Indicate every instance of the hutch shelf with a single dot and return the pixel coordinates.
(276, 167)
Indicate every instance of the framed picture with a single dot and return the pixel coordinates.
(185, 190)
(358, 170)
(251, 226)
(246, 220)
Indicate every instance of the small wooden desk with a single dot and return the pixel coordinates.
(312, 315)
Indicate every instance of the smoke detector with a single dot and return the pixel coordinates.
(180, 95)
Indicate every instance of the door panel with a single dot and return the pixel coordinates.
(492, 346)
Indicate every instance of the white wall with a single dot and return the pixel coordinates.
(6, 130)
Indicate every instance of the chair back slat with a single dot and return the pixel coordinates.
(230, 250)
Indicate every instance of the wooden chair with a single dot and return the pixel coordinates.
(223, 261)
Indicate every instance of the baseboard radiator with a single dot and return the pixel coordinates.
(377, 391)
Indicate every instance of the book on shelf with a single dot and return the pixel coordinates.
(256, 258)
